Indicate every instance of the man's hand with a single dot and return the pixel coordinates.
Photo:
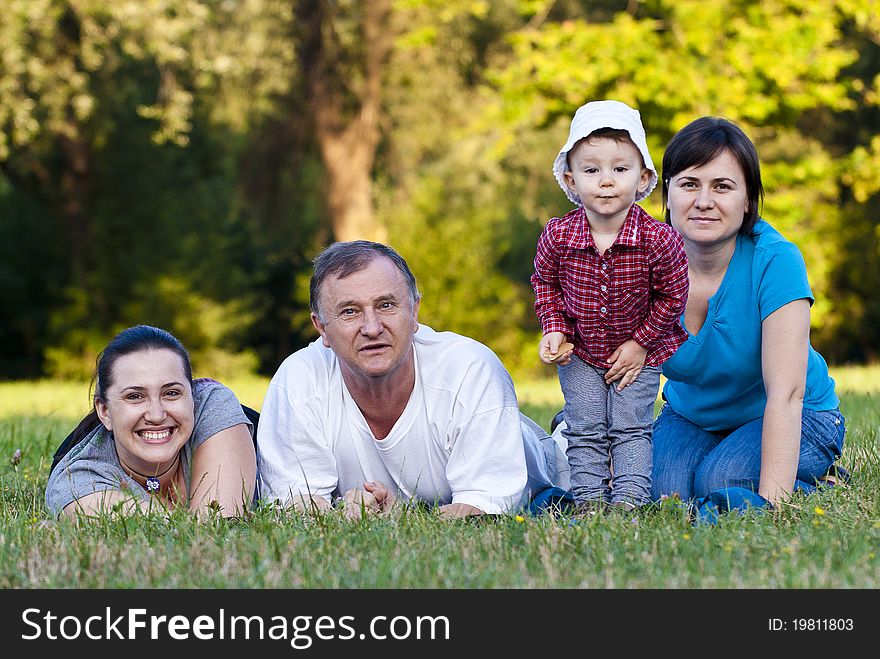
(458, 510)
(549, 349)
(384, 497)
(375, 498)
(626, 364)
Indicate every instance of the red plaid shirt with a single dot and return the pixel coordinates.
(636, 290)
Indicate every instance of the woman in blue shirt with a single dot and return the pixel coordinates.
(749, 403)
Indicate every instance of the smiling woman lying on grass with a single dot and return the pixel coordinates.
(156, 439)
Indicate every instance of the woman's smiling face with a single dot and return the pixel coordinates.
(707, 204)
(149, 409)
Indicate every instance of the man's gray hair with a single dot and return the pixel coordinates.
(344, 259)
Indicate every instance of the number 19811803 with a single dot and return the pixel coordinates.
(810, 624)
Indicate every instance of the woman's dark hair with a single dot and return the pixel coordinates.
(703, 140)
(346, 258)
(139, 338)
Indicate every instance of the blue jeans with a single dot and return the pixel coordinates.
(693, 462)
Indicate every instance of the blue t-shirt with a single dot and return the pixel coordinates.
(715, 378)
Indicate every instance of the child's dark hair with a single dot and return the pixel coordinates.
(616, 134)
(703, 140)
(139, 338)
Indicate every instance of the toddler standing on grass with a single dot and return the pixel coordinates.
(613, 281)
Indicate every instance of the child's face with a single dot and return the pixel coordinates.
(606, 174)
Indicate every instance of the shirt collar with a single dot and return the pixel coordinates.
(581, 238)
(629, 232)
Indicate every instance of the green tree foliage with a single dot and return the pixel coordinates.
(775, 67)
(853, 330)
(181, 161)
(448, 207)
(110, 123)
(509, 75)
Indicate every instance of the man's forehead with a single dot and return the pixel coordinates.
(379, 279)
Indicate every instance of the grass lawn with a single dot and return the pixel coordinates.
(826, 540)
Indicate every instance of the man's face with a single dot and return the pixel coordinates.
(368, 319)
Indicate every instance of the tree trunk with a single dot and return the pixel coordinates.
(348, 141)
(74, 191)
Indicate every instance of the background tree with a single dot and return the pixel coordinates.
(103, 138)
(180, 162)
(343, 49)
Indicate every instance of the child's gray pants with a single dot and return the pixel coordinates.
(608, 431)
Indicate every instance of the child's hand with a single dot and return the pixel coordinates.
(626, 364)
(549, 349)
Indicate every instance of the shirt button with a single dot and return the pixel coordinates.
(603, 288)
(604, 266)
(603, 310)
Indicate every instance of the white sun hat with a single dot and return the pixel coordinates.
(604, 114)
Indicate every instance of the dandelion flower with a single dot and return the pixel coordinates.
(818, 510)
(520, 519)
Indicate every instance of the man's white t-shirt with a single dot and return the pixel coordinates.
(460, 439)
